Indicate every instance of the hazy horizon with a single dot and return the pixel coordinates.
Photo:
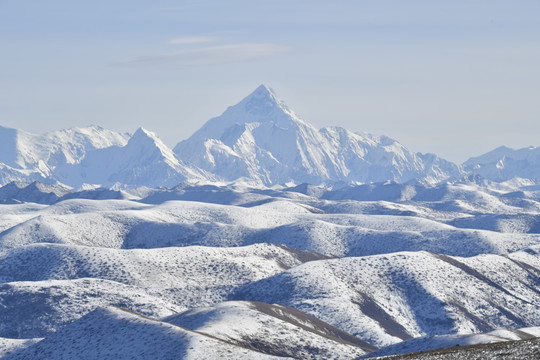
(457, 79)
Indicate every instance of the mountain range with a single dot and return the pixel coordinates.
(259, 141)
(261, 237)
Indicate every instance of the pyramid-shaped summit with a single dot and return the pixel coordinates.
(261, 139)
(262, 102)
(144, 160)
(258, 139)
(263, 94)
(261, 106)
(146, 145)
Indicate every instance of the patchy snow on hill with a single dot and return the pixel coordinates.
(38, 308)
(273, 329)
(330, 227)
(12, 346)
(109, 333)
(303, 271)
(508, 350)
(187, 277)
(385, 299)
(444, 341)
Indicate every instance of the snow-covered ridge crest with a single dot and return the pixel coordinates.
(23, 150)
(259, 141)
(144, 160)
(29, 157)
(504, 163)
(262, 138)
(261, 106)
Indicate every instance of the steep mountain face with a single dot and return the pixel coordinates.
(9, 174)
(22, 150)
(17, 158)
(504, 164)
(69, 146)
(92, 155)
(261, 139)
(144, 160)
(9, 147)
(369, 158)
(29, 157)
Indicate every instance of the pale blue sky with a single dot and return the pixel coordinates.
(457, 78)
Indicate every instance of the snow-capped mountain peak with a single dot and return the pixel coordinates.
(28, 157)
(149, 146)
(144, 160)
(504, 163)
(265, 94)
(261, 106)
(141, 134)
(265, 105)
(262, 139)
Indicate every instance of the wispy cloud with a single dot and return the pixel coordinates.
(208, 55)
(191, 40)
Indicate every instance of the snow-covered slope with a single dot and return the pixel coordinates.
(38, 308)
(262, 139)
(505, 163)
(113, 333)
(10, 146)
(445, 341)
(12, 346)
(29, 157)
(36, 192)
(273, 329)
(385, 299)
(144, 160)
(370, 158)
(9, 174)
(61, 261)
(71, 145)
(129, 225)
(92, 155)
(259, 141)
(61, 283)
(507, 350)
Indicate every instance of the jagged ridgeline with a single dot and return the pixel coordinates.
(260, 140)
(261, 237)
